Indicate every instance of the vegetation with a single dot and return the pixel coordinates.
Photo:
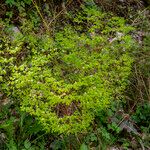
(74, 75)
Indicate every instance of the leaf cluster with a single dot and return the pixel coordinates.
(64, 81)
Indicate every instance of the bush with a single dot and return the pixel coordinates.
(66, 80)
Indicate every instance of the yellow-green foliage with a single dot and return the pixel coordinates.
(66, 80)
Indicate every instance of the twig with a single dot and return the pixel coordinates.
(59, 13)
(37, 8)
(141, 143)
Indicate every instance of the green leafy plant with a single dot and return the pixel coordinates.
(15, 2)
(65, 81)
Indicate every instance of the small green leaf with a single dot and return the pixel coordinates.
(10, 2)
(83, 147)
(27, 144)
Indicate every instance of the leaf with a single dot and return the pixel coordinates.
(10, 2)
(83, 147)
(93, 137)
(11, 145)
(27, 144)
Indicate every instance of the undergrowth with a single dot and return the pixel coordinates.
(78, 84)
